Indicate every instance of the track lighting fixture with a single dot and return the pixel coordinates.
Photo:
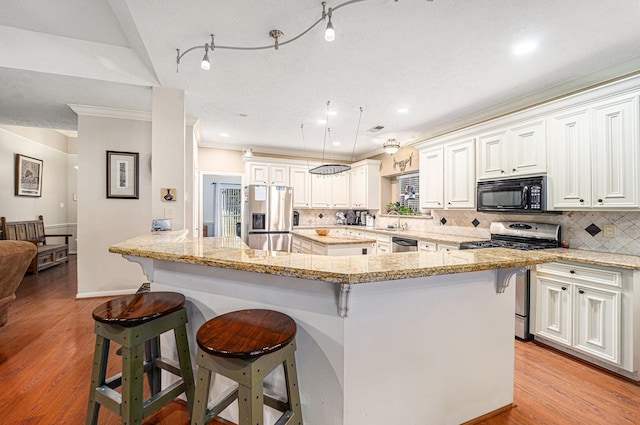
(329, 35)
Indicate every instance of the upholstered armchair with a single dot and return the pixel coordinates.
(15, 257)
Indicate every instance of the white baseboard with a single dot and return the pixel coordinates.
(105, 293)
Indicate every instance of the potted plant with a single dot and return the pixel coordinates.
(391, 206)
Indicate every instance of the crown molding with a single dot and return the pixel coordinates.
(125, 114)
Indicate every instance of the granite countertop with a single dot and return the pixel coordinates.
(232, 253)
(331, 239)
(422, 236)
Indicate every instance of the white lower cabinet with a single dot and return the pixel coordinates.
(582, 308)
(445, 247)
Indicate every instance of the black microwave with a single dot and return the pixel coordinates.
(517, 196)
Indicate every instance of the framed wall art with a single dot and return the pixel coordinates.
(28, 178)
(122, 175)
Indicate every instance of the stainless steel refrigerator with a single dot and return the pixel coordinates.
(268, 217)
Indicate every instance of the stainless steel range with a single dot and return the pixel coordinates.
(523, 236)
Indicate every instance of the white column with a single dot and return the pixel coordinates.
(168, 154)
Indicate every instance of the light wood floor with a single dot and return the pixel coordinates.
(46, 350)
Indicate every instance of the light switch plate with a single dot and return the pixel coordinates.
(168, 212)
(609, 231)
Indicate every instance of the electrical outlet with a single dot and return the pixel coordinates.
(168, 212)
(609, 231)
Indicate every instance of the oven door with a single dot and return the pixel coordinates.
(503, 196)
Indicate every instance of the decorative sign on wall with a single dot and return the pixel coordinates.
(168, 194)
(403, 164)
(28, 177)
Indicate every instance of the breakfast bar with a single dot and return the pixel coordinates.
(412, 338)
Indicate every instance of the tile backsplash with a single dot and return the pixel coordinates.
(573, 225)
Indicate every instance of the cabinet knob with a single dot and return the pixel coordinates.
(600, 200)
(438, 203)
(514, 170)
(572, 271)
(448, 203)
(502, 171)
(581, 291)
(564, 288)
(582, 201)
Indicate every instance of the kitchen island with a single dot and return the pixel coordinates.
(309, 242)
(411, 338)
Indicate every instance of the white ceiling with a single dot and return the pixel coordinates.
(449, 62)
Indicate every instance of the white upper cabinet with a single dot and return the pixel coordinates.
(569, 180)
(519, 150)
(432, 178)
(447, 176)
(300, 180)
(331, 191)
(365, 185)
(593, 159)
(615, 148)
(262, 173)
(460, 174)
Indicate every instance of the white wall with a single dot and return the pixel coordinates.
(103, 222)
(49, 146)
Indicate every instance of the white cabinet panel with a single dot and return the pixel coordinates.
(459, 171)
(615, 175)
(554, 309)
(597, 329)
(517, 151)
(300, 180)
(331, 191)
(432, 178)
(262, 173)
(569, 181)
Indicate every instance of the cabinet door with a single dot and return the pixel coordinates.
(258, 173)
(569, 183)
(527, 146)
(300, 180)
(279, 175)
(597, 322)
(359, 188)
(320, 191)
(553, 309)
(460, 175)
(340, 190)
(432, 178)
(492, 158)
(615, 174)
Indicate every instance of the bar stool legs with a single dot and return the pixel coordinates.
(246, 346)
(140, 355)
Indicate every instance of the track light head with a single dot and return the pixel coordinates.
(329, 32)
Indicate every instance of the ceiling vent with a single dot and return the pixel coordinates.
(375, 129)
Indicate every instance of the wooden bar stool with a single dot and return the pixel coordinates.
(245, 346)
(136, 322)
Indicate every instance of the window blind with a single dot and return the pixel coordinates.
(408, 191)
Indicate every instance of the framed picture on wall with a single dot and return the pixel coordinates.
(122, 175)
(28, 178)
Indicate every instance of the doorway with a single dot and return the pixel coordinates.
(221, 205)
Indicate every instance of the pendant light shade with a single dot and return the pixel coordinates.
(329, 32)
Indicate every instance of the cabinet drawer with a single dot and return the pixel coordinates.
(384, 239)
(427, 246)
(582, 273)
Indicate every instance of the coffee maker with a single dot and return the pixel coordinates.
(361, 217)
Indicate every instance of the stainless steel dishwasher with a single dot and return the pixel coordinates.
(403, 244)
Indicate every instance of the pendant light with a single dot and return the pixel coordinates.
(329, 169)
(391, 146)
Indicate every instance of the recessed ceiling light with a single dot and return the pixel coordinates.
(224, 134)
(525, 47)
(403, 110)
(336, 143)
(322, 122)
(333, 113)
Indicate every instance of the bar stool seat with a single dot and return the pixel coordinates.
(245, 346)
(136, 322)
